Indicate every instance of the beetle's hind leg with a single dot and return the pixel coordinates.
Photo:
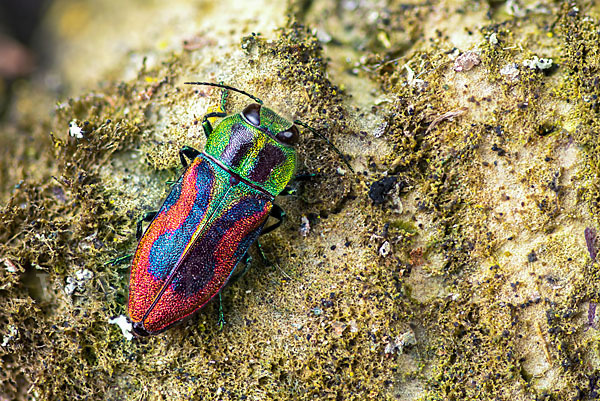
(247, 261)
(221, 321)
(278, 213)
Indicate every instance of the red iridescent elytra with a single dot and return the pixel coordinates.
(214, 212)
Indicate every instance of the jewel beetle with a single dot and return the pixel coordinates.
(215, 211)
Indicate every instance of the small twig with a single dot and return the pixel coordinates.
(538, 330)
(446, 116)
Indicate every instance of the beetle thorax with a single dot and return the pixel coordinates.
(252, 153)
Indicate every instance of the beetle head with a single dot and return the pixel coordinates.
(268, 121)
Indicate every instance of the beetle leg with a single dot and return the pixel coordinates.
(247, 261)
(221, 321)
(188, 152)
(291, 190)
(267, 262)
(304, 176)
(206, 124)
(278, 213)
(264, 258)
(224, 94)
(149, 216)
(120, 260)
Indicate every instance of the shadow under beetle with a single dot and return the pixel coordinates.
(215, 211)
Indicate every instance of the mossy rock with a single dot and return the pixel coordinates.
(471, 277)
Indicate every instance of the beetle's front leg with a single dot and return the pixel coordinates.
(206, 123)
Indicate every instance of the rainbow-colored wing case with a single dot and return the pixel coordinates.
(214, 212)
(193, 245)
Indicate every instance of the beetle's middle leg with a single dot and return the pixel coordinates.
(278, 213)
(221, 321)
(148, 217)
(291, 190)
(189, 152)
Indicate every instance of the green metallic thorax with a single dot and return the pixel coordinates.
(252, 152)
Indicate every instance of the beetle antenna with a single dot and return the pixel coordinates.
(257, 100)
(323, 137)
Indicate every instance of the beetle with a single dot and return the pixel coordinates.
(215, 211)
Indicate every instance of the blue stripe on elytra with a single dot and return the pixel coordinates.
(198, 268)
(167, 248)
(173, 196)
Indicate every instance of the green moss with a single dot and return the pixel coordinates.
(512, 171)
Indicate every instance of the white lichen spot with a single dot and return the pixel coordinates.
(544, 63)
(70, 286)
(84, 275)
(349, 5)
(380, 130)
(510, 71)
(124, 325)
(340, 171)
(12, 333)
(304, 226)
(338, 328)
(323, 36)
(10, 266)
(402, 341)
(466, 61)
(493, 39)
(539, 63)
(373, 16)
(77, 283)
(411, 79)
(514, 7)
(385, 249)
(74, 130)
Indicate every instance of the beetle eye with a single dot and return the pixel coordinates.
(289, 136)
(252, 114)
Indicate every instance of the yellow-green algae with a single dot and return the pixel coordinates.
(488, 269)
